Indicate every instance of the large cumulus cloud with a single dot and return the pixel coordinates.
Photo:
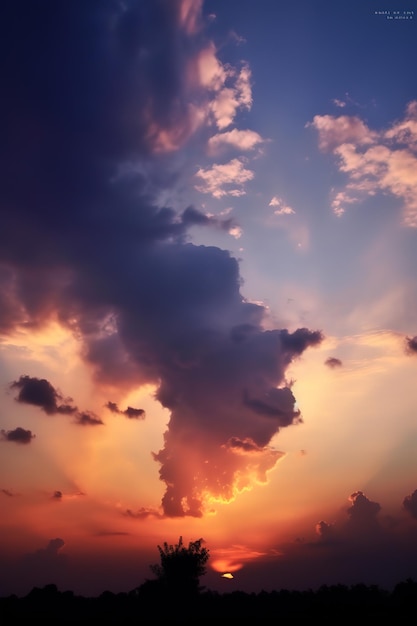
(98, 94)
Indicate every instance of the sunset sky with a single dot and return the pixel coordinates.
(208, 291)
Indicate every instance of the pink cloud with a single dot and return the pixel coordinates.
(282, 207)
(231, 98)
(373, 162)
(211, 92)
(241, 139)
(334, 131)
(190, 12)
(405, 132)
(226, 179)
(210, 71)
(341, 198)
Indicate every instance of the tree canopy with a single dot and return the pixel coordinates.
(181, 567)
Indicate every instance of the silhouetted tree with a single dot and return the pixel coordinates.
(181, 567)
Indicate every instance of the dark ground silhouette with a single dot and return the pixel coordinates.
(153, 602)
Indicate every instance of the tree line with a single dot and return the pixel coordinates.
(176, 596)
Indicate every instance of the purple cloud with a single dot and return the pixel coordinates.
(88, 130)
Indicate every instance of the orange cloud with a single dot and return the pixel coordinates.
(233, 559)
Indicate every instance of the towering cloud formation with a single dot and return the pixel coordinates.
(96, 94)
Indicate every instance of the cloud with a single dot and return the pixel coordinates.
(325, 531)
(226, 179)
(375, 162)
(40, 393)
(335, 131)
(361, 526)
(45, 564)
(362, 514)
(87, 241)
(229, 99)
(112, 406)
(130, 412)
(18, 435)
(88, 418)
(405, 131)
(133, 413)
(284, 209)
(239, 139)
(340, 200)
(333, 362)
(143, 513)
(233, 558)
(411, 345)
(410, 504)
(7, 493)
(219, 458)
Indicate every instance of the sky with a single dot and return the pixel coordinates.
(208, 291)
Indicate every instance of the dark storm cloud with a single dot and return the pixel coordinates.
(410, 504)
(333, 362)
(18, 435)
(411, 345)
(130, 412)
(95, 96)
(41, 393)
